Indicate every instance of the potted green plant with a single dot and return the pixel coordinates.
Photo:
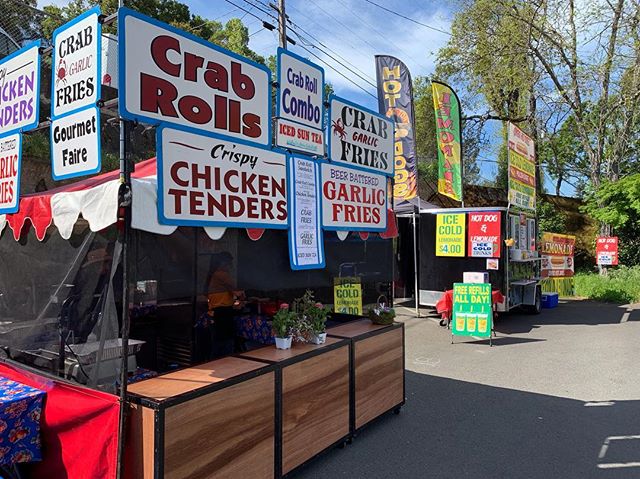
(283, 324)
(382, 314)
(317, 319)
(311, 319)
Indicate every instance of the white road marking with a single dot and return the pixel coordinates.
(599, 403)
(618, 465)
(625, 316)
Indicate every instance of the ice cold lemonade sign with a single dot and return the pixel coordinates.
(20, 90)
(10, 158)
(210, 181)
(76, 64)
(169, 76)
(360, 137)
(353, 200)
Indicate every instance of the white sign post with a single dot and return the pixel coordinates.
(75, 144)
(206, 180)
(306, 246)
(300, 105)
(20, 90)
(170, 77)
(76, 61)
(360, 138)
(10, 159)
(352, 199)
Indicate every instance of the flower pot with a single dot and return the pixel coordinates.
(318, 338)
(381, 319)
(283, 343)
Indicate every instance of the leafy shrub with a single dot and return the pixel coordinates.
(621, 285)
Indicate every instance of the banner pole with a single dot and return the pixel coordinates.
(415, 265)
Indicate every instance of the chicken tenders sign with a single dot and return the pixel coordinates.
(353, 200)
(170, 76)
(210, 181)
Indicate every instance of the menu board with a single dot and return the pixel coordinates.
(306, 246)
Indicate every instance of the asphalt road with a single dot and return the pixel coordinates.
(557, 396)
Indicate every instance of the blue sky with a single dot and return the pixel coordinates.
(353, 32)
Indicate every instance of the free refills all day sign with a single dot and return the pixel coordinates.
(20, 90)
(168, 76)
(360, 138)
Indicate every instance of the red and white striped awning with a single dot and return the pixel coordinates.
(96, 200)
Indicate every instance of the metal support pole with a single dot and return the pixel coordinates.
(282, 24)
(415, 265)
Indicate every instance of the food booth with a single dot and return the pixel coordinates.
(110, 277)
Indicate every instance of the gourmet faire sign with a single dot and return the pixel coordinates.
(10, 158)
(20, 90)
(210, 181)
(170, 76)
(353, 200)
(306, 247)
(76, 63)
(299, 100)
(75, 144)
(360, 137)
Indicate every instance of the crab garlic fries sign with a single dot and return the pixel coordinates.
(211, 181)
(360, 137)
(76, 64)
(10, 158)
(353, 200)
(20, 90)
(169, 76)
(300, 106)
(75, 89)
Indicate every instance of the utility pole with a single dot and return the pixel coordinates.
(282, 24)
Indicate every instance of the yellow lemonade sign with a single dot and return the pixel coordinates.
(450, 234)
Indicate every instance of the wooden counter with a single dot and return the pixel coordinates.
(312, 387)
(212, 420)
(377, 369)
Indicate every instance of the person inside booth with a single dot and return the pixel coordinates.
(224, 300)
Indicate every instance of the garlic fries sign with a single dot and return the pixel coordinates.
(170, 76)
(360, 138)
(206, 180)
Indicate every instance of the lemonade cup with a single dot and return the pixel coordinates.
(460, 320)
(471, 323)
(482, 324)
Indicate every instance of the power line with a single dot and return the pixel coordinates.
(245, 10)
(408, 18)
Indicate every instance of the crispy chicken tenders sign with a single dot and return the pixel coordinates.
(173, 77)
(210, 181)
(353, 200)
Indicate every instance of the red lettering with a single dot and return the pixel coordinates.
(195, 109)
(159, 48)
(177, 197)
(191, 65)
(251, 125)
(242, 85)
(157, 95)
(174, 173)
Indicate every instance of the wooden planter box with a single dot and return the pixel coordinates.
(212, 420)
(377, 383)
(312, 391)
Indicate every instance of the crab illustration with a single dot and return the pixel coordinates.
(61, 72)
(339, 129)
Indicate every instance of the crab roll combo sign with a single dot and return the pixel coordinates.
(300, 105)
(360, 138)
(19, 100)
(169, 76)
(75, 90)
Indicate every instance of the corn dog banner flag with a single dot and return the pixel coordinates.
(395, 101)
(449, 137)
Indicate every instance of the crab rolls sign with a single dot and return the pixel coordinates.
(210, 181)
(353, 200)
(170, 76)
(360, 137)
(300, 109)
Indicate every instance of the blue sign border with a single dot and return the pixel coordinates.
(291, 182)
(36, 121)
(160, 180)
(124, 12)
(371, 112)
(344, 228)
(281, 51)
(15, 209)
(98, 135)
(60, 30)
